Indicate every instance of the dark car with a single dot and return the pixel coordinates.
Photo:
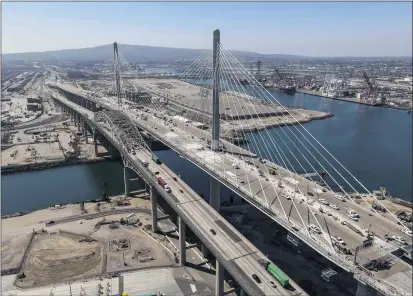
(273, 284)
(256, 278)
(213, 232)
(310, 193)
(175, 179)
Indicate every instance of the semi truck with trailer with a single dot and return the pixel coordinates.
(276, 273)
(164, 184)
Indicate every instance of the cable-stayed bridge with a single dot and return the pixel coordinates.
(215, 104)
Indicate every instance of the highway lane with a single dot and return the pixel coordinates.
(242, 256)
(232, 245)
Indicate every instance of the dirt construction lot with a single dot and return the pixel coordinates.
(57, 257)
(12, 250)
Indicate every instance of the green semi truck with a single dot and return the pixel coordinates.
(155, 159)
(276, 273)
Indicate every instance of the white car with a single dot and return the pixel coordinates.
(339, 197)
(399, 239)
(353, 217)
(334, 207)
(323, 201)
(352, 212)
(167, 189)
(338, 240)
(310, 201)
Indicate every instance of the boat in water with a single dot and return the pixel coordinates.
(288, 89)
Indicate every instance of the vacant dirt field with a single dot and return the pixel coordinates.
(59, 257)
(12, 250)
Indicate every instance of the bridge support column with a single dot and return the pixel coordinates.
(126, 178)
(79, 125)
(242, 292)
(204, 251)
(120, 278)
(214, 194)
(365, 290)
(85, 131)
(219, 279)
(182, 238)
(95, 143)
(154, 209)
(82, 126)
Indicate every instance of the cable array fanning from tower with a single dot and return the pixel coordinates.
(290, 146)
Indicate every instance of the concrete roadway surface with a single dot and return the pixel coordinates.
(235, 248)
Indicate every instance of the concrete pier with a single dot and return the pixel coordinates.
(126, 178)
(204, 251)
(365, 290)
(154, 207)
(219, 279)
(214, 194)
(182, 238)
(95, 143)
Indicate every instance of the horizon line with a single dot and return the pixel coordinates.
(233, 50)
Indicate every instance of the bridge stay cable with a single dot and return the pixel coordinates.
(278, 149)
(271, 99)
(270, 155)
(228, 78)
(228, 95)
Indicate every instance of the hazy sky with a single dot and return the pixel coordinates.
(313, 29)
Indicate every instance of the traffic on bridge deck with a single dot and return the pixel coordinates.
(348, 233)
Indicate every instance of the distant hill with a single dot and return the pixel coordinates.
(129, 52)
